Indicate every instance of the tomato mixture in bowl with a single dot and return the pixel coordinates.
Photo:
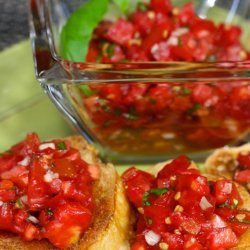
(45, 191)
(159, 118)
(181, 209)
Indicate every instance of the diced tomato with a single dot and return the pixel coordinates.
(227, 35)
(244, 160)
(64, 168)
(31, 232)
(7, 161)
(138, 182)
(175, 167)
(226, 191)
(157, 34)
(187, 14)
(143, 21)
(70, 220)
(242, 176)
(222, 238)
(93, 52)
(121, 32)
(18, 175)
(38, 192)
(163, 6)
(6, 217)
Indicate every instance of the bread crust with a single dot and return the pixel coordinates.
(244, 240)
(222, 161)
(111, 226)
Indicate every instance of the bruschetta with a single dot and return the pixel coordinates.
(58, 194)
(180, 208)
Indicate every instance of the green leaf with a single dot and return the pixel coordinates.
(61, 145)
(123, 5)
(87, 91)
(77, 32)
(155, 191)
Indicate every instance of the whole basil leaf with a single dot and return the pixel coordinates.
(77, 32)
(123, 5)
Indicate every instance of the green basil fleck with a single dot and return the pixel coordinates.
(87, 91)
(61, 145)
(155, 191)
(142, 6)
(49, 212)
(227, 205)
(19, 204)
(110, 50)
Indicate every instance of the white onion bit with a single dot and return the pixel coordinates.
(50, 176)
(25, 162)
(204, 203)
(152, 238)
(33, 219)
(24, 199)
(1, 203)
(227, 189)
(47, 145)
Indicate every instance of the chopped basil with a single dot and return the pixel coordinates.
(110, 50)
(211, 58)
(195, 107)
(108, 122)
(226, 205)
(103, 103)
(149, 221)
(123, 5)
(132, 115)
(245, 221)
(155, 191)
(19, 204)
(6, 152)
(117, 111)
(186, 91)
(87, 91)
(179, 42)
(61, 145)
(142, 7)
(152, 100)
(48, 211)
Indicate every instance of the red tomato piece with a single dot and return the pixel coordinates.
(244, 160)
(38, 192)
(68, 224)
(226, 191)
(163, 6)
(222, 238)
(121, 32)
(243, 176)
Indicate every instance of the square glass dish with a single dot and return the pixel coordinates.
(151, 111)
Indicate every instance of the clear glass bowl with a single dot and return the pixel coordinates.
(158, 125)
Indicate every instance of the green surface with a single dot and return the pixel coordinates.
(24, 107)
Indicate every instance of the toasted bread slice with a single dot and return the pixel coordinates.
(222, 161)
(111, 225)
(244, 240)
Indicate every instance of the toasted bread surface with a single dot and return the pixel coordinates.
(244, 240)
(222, 161)
(111, 225)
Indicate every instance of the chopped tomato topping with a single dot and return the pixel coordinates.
(181, 209)
(46, 191)
(161, 117)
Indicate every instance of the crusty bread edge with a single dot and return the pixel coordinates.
(222, 161)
